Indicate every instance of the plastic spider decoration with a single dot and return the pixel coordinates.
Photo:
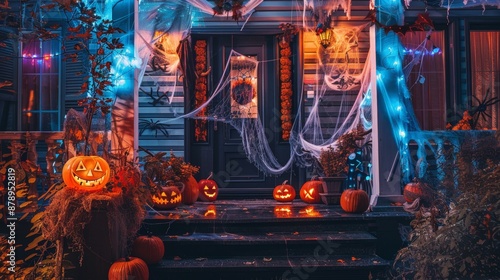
(154, 126)
(481, 108)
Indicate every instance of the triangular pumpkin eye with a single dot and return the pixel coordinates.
(98, 167)
(174, 193)
(81, 166)
(286, 190)
(163, 194)
(206, 188)
(214, 187)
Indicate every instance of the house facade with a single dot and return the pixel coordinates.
(252, 91)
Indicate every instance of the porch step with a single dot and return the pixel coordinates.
(229, 245)
(263, 267)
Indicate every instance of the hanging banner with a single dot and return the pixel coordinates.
(244, 99)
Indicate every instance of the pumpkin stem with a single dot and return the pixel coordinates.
(314, 178)
(210, 176)
(284, 183)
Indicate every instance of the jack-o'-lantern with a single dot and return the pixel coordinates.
(354, 201)
(284, 192)
(309, 192)
(208, 189)
(86, 173)
(167, 197)
(283, 211)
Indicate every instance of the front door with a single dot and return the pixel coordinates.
(224, 155)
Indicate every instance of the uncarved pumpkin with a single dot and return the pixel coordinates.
(413, 190)
(128, 268)
(354, 201)
(86, 173)
(191, 191)
(284, 192)
(149, 248)
(208, 188)
(309, 192)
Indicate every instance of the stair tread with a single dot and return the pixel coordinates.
(275, 237)
(281, 262)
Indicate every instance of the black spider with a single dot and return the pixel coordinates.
(480, 109)
(153, 125)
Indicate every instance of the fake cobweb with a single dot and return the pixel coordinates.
(233, 100)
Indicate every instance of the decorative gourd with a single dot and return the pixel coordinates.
(191, 191)
(167, 197)
(208, 189)
(354, 201)
(86, 173)
(309, 192)
(284, 192)
(413, 190)
(128, 268)
(149, 248)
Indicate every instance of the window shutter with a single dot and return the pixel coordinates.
(8, 82)
(73, 75)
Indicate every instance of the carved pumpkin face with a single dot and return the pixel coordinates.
(208, 190)
(284, 193)
(167, 198)
(87, 173)
(309, 192)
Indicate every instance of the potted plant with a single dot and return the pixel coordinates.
(333, 162)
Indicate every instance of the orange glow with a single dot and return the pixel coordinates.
(283, 211)
(309, 211)
(211, 212)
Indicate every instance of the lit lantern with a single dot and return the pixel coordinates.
(208, 189)
(168, 197)
(284, 192)
(86, 173)
(309, 192)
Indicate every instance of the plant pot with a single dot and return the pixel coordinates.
(332, 189)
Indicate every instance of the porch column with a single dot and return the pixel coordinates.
(124, 124)
(387, 82)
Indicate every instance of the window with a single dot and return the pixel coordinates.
(40, 84)
(485, 77)
(427, 79)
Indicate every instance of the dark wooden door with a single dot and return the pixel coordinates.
(236, 176)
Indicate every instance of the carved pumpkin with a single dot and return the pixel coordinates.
(149, 248)
(208, 189)
(191, 191)
(86, 173)
(309, 192)
(284, 192)
(354, 201)
(128, 268)
(167, 197)
(413, 190)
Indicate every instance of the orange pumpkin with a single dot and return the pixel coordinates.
(413, 190)
(128, 268)
(191, 191)
(86, 173)
(208, 189)
(167, 197)
(309, 192)
(354, 201)
(149, 248)
(284, 192)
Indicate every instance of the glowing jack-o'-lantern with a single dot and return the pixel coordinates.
(167, 197)
(284, 192)
(87, 173)
(309, 192)
(208, 189)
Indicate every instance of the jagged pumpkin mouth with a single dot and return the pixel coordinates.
(162, 200)
(88, 183)
(288, 195)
